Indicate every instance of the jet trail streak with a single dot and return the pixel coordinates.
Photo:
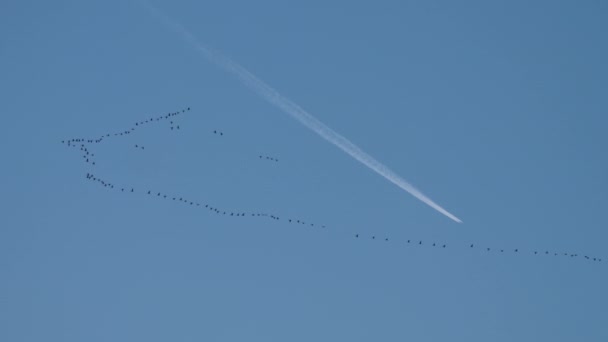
(289, 107)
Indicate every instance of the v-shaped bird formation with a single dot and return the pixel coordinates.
(85, 146)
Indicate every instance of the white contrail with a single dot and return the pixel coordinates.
(286, 105)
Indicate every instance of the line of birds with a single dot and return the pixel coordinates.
(137, 125)
(83, 143)
(88, 157)
(173, 125)
(233, 213)
(268, 158)
(490, 249)
(189, 202)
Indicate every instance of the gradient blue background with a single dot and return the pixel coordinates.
(495, 109)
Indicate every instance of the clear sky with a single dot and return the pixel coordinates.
(494, 109)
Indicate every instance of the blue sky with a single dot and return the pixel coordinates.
(496, 110)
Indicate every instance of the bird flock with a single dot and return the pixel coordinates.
(194, 203)
(268, 158)
(84, 146)
(83, 143)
